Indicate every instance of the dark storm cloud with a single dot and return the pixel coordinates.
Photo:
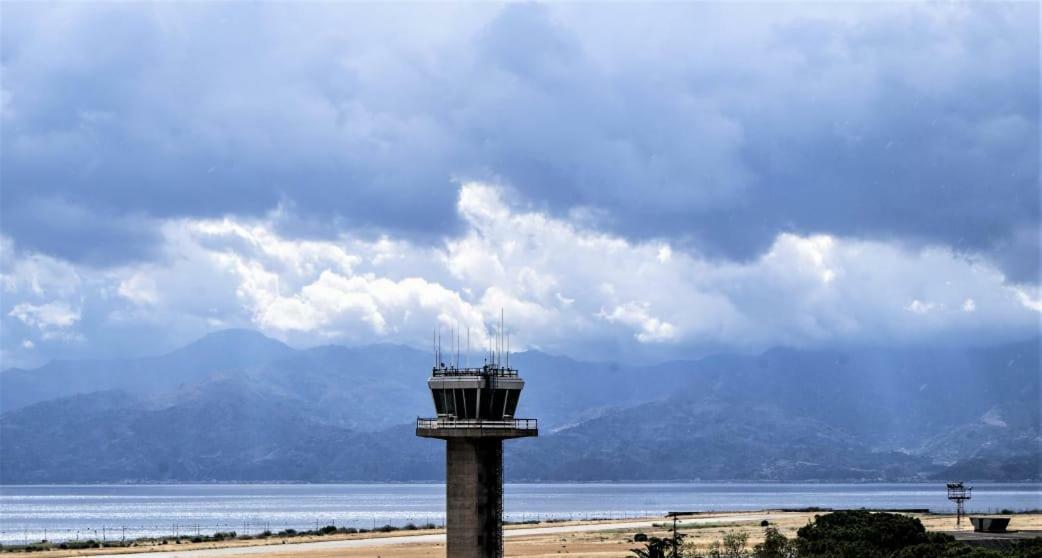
(89, 234)
(715, 125)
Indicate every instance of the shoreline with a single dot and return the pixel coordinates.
(611, 536)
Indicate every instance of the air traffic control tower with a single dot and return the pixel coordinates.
(475, 408)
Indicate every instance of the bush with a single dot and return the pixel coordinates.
(77, 545)
(1027, 549)
(859, 534)
(734, 544)
(947, 550)
(774, 545)
(656, 548)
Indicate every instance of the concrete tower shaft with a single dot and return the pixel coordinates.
(474, 493)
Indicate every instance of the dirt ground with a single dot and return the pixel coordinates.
(601, 543)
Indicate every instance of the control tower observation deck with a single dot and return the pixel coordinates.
(475, 408)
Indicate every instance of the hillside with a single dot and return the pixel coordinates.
(239, 406)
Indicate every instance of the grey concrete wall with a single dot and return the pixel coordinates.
(474, 497)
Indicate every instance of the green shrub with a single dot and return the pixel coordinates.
(1027, 549)
(774, 545)
(859, 534)
(947, 550)
(656, 548)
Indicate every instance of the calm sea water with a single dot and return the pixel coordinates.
(110, 511)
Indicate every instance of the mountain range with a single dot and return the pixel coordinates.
(239, 406)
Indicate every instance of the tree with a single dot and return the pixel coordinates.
(863, 534)
(774, 545)
(733, 545)
(859, 534)
(655, 548)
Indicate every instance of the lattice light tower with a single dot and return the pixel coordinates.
(475, 408)
(959, 493)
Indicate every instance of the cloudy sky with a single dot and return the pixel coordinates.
(626, 181)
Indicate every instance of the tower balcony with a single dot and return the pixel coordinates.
(451, 427)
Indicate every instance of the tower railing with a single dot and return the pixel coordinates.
(482, 424)
(487, 370)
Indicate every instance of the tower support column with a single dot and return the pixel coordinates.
(474, 497)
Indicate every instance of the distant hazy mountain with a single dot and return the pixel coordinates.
(362, 388)
(218, 430)
(787, 414)
(236, 405)
(226, 351)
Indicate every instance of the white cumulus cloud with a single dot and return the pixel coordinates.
(563, 286)
(46, 317)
